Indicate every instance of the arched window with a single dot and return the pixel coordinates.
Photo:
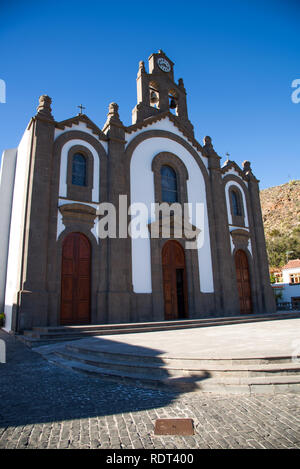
(173, 102)
(169, 190)
(79, 170)
(154, 94)
(236, 203)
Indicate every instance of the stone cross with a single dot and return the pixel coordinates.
(81, 107)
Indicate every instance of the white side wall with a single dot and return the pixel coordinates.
(7, 179)
(288, 291)
(286, 274)
(142, 190)
(16, 227)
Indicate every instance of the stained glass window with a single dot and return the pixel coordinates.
(79, 170)
(236, 205)
(169, 190)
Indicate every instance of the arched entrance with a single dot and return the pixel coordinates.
(243, 282)
(174, 281)
(75, 280)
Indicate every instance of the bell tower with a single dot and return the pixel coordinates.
(157, 92)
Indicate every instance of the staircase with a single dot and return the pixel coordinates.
(249, 375)
(46, 335)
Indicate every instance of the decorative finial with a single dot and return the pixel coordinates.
(44, 107)
(248, 171)
(180, 83)
(81, 107)
(113, 121)
(247, 166)
(207, 141)
(113, 115)
(208, 149)
(113, 109)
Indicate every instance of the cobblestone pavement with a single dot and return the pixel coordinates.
(44, 406)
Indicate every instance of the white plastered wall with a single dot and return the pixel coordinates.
(142, 190)
(81, 126)
(287, 272)
(16, 226)
(167, 125)
(7, 179)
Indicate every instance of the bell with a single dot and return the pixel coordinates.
(173, 103)
(153, 97)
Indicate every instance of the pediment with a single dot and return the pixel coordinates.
(240, 233)
(179, 226)
(232, 165)
(78, 211)
(160, 116)
(86, 120)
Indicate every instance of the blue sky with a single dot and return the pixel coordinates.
(237, 58)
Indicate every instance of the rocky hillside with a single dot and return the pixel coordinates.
(281, 215)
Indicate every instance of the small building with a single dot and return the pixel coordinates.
(287, 285)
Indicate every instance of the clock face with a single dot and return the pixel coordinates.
(163, 64)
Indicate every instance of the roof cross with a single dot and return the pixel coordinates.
(81, 107)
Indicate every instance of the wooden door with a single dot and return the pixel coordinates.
(243, 282)
(75, 280)
(174, 281)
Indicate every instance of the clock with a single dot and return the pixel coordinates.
(163, 64)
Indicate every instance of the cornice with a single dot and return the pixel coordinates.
(86, 120)
(233, 165)
(159, 117)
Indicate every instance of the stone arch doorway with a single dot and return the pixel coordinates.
(174, 281)
(243, 281)
(75, 280)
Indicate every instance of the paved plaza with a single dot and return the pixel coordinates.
(45, 406)
(251, 340)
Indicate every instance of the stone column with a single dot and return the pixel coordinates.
(119, 249)
(225, 288)
(264, 285)
(33, 294)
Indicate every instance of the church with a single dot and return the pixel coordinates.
(56, 269)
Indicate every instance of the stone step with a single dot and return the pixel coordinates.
(43, 335)
(181, 383)
(179, 368)
(33, 342)
(123, 357)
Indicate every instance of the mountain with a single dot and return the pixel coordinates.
(281, 215)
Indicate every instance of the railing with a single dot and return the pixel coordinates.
(288, 306)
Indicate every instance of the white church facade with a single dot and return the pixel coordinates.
(55, 267)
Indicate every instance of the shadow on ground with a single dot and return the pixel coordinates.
(34, 391)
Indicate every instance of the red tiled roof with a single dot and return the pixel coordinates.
(292, 264)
